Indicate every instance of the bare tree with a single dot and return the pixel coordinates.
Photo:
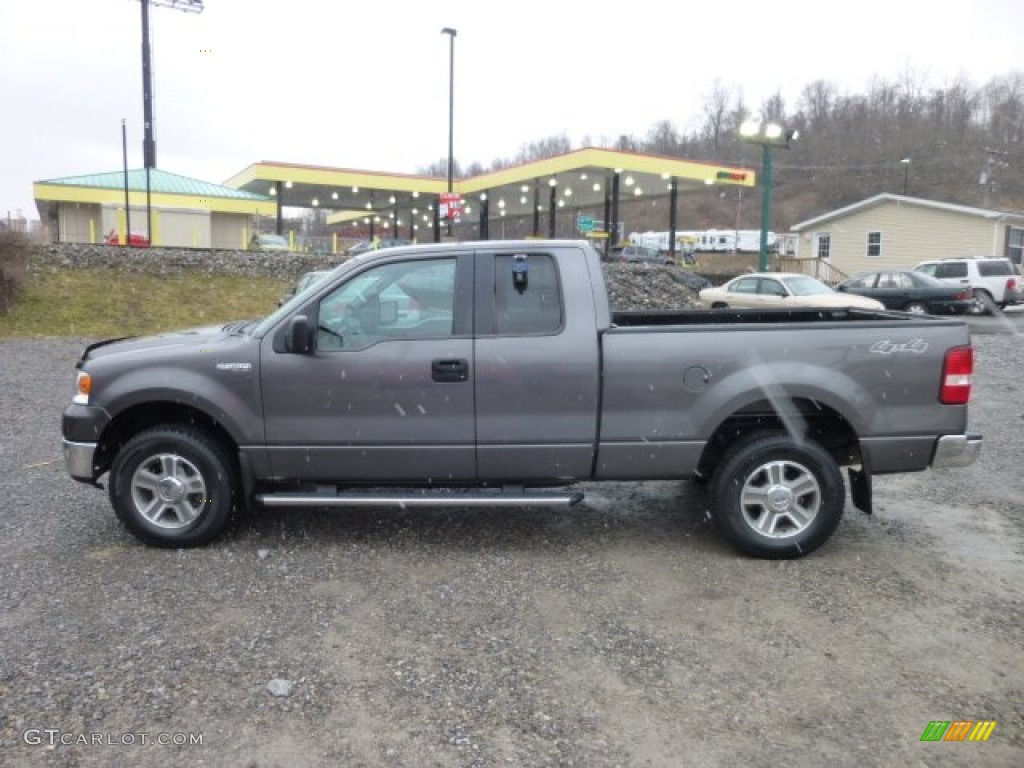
(1004, 99)
(774, 107)
(716, 106)
(817, 103)
(547, 147)
(439, 168)
(662, 139)
(626, 144)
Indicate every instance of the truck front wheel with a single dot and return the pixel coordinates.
(173, 486)
(776, 497)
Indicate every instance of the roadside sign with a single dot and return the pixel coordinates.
(451, 205)
(585, 223)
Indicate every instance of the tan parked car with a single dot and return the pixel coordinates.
(778, 290)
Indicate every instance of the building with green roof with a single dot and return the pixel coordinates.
(182, 212)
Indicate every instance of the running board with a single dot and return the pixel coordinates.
(329, 497)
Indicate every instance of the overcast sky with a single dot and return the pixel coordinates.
(365, 85)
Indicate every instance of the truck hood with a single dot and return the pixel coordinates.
(187, 340)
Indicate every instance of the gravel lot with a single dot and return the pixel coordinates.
(619, 633)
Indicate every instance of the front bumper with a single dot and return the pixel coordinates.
(78, 460)
(82, 427)
(956, 451)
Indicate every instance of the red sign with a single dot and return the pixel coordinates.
(451, 205)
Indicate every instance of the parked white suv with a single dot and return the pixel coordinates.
(995, 282)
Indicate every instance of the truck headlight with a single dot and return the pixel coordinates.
(83, 386)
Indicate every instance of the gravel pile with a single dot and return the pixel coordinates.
(644, 287)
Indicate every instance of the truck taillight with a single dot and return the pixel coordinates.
(1011, 284)
(957, 369)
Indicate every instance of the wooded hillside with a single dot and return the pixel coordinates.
(965, 144)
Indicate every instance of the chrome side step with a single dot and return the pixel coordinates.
(328, 496)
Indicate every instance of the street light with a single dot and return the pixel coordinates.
(451, 111)
(906, 173)
(768, 135)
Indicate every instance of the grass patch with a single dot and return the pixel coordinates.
(99, 303)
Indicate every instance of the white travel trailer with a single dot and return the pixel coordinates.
(707, 240)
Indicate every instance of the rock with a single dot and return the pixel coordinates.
(279, 687)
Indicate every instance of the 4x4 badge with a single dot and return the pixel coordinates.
(886, 347)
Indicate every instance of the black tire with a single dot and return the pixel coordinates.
(916, 308)
(983, 303)
(173, 486)
(799, 480)
(719, 305)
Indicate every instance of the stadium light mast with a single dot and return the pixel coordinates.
(148, 142)
(768, 134)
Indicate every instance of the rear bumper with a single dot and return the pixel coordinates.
(956, 451)
(887, 455)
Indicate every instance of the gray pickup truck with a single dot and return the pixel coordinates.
(494, 373)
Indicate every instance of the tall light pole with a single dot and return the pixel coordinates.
(127, 201)
(906, 174)
(148, 141)
(768, 135)
(451, 113)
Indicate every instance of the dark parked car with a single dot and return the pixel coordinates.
(910, 291)
(269, 242)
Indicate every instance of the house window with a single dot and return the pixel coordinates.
(874, 244)
(1015, 245)
(824, 246)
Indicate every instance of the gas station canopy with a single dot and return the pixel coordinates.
(588, 180)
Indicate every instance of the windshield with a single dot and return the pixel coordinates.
(804, 285)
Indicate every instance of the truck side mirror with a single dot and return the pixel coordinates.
(300, 335)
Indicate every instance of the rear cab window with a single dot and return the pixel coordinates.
(527, 294)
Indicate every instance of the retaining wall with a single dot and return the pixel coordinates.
(171, 261)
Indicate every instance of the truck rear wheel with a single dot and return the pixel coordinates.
(173, 486)
(776, 497)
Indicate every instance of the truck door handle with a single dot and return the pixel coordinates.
(449, 370)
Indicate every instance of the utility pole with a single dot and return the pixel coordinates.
(451, 114)
(985, 179)
(148, 139)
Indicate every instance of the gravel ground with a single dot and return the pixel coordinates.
(622, 632)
